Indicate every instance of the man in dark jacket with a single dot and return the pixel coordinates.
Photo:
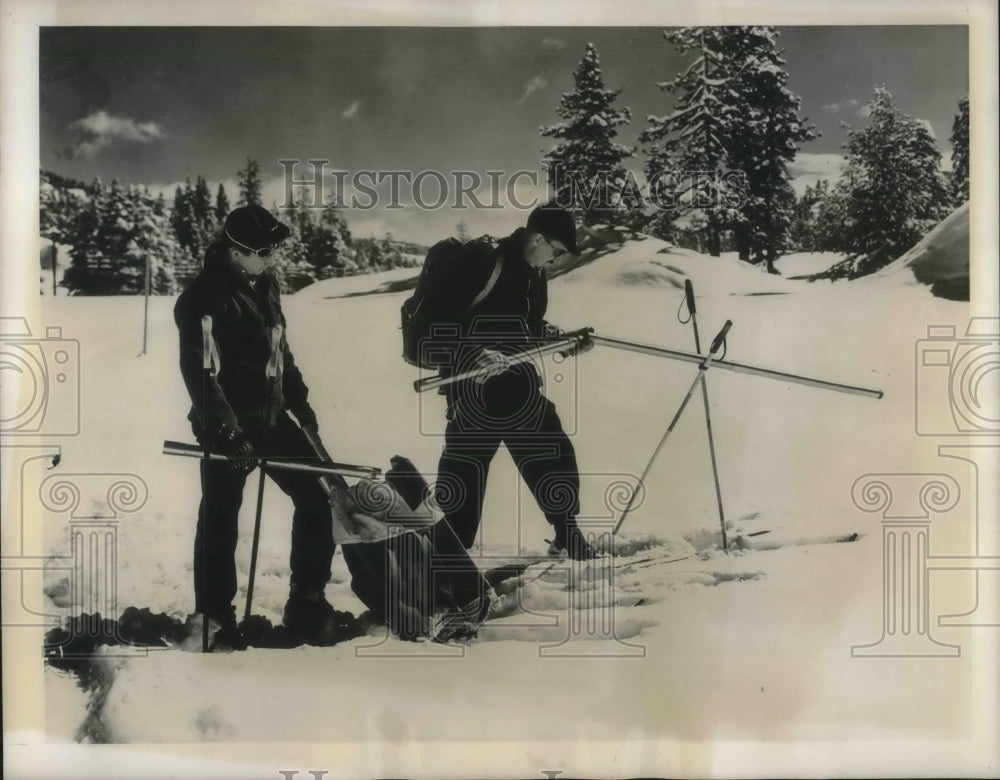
(241, 409)
(496, 295)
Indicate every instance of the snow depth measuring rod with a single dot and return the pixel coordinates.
(740, 368)
(331, 468)
(569, 341)
(559, 345)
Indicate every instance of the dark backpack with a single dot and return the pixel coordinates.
(436, 299)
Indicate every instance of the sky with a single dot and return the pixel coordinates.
(156, 105)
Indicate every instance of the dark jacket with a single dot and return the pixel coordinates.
(510, 318)
(244, 315)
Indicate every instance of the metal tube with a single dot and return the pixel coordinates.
(430, 382)
(740, 368)
(342, 469)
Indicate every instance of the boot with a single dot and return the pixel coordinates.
(224, 635)
(569, 539)
(309, 617)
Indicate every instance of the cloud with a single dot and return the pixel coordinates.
(864, 111)
(352, 110)
(534, 84)
(100, 130)
(841, 105)
(551, 42)
(807, 169)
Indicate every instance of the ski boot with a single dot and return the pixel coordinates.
(308, 617)
(224, 636)
(569, 539)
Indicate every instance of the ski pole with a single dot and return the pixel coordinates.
(741, 368)
(689, 298)
(335, 479)
(272, 373)
(206, 373)
(707, 361)
(343, 469)
(560, 345)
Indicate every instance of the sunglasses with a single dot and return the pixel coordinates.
(245, 250)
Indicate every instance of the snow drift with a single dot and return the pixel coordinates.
(940, 260)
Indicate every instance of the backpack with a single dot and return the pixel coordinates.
(434, 298)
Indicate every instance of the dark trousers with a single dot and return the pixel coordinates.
(527, 423)
(222, 496)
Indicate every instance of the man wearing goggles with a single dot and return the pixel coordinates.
(241, 408)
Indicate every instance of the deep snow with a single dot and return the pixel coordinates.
(755, 645)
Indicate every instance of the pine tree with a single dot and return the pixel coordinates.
(686, 161)
(58, 208)
(893, 189)
(767, 132)
(251, 186)
(960, 153)
(586, 172)
(721, 157)
(182, 216)
(204, 217)
(221, 206)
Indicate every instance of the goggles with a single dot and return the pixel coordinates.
(261, 253)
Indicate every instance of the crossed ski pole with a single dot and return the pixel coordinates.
(717, 344)
(692, 310)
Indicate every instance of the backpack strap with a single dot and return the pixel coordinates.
(489, 284)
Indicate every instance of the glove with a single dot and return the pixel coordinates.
(493, 361)
(237, 447)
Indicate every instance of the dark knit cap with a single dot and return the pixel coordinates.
(555, 223)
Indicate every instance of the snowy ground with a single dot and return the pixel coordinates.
(751, 646)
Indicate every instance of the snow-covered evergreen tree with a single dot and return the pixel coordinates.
(585, 169)
(960, 153)
(767, 132)
(250, 184)
(202, 211)
(719, 159)
(58, 207)
(151, 241)
(893, 189)
(686, 162)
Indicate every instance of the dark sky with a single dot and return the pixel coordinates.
(154, 105)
